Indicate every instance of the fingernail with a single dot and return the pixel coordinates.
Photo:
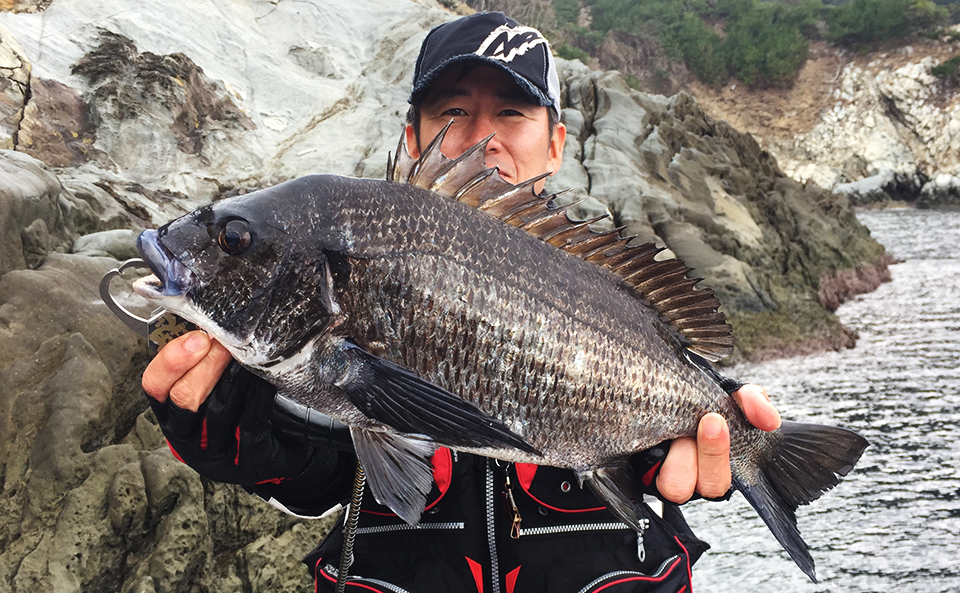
(196, 342)
(711, 430)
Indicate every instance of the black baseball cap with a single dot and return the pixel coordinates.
(492, 39)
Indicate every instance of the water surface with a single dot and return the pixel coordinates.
(894, 523)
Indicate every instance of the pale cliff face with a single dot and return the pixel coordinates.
(868, 126)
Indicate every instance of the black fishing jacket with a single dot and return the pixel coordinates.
(470, 538)
(489, 526)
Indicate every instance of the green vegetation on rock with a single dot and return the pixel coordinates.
(755, 41)
(566, 11)
(949, 70)
(867, 23)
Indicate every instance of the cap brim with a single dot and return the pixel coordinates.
(426, 81)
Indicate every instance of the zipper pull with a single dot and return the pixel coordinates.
(515, 527)
(641, 550)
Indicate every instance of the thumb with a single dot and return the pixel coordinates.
(756, 406)
(173, 362)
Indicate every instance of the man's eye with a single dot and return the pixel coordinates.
(454, 112)
(511, 112)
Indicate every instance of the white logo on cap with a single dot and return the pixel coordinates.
(505, 43)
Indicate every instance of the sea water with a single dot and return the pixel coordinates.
(894, 523)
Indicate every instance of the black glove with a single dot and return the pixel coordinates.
(646, 467)
(231, 438)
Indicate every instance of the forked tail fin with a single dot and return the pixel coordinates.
(808, 461)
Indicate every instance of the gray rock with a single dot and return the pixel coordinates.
(14, 80)
(57, 125)
(670, 174)
(119, 244)
(942, 190)
(888, 119)
(90, 497)
(28, 193)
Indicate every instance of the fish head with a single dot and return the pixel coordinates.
(252, 271)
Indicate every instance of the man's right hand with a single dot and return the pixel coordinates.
(218, 417)
(186, 370)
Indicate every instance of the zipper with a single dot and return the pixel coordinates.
(384, 584)
(609, 575)
(641, 550)
(515, 530)
(573, 528)
(631, 573)
(358, 582)
(405, 527)
(491, 529)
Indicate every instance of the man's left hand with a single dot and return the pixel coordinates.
(703, 464)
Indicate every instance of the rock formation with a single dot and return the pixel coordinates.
(892, 132)
(123, 114)
(876, 127)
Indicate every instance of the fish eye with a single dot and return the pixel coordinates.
(235, 237)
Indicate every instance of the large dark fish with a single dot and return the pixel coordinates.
(446, 306)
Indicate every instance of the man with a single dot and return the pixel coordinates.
(488, 525)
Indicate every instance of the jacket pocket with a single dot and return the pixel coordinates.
(671, 577)
(327, 581)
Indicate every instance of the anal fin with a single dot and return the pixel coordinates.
(616, 487)
(398, 470)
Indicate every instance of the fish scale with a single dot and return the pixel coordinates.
(538, 391)
(494, 325)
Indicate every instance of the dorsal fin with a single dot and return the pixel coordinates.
(664, 283)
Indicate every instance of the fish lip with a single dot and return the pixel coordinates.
(173, 276)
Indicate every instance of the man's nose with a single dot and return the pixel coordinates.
(476, 130)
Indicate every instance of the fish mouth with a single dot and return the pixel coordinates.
(170, 277)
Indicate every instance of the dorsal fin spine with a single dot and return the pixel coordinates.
(654, 271)
(609, 253)
(653, 279)
(585, 247)
(676, 308)
(680, 287)
(431, 155)
(703, 320)
(504, 202)
(634, 258)
(549, 222)
(562, 236)
(425, 155)
(663, 283)
(522, 214)
(470, 162)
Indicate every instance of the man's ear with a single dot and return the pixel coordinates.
(555, 151)
(412, 147)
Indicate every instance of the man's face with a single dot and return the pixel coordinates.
(483, 100)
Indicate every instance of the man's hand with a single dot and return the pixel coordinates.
(186, 370)
(703, 464)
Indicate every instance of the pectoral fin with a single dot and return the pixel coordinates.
(391, 394)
